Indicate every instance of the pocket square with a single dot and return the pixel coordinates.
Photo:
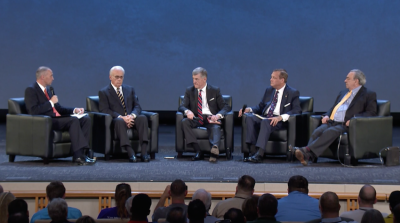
(212, 99)
(286, 105)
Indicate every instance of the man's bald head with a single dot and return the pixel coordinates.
(367, 196)
(329, 203)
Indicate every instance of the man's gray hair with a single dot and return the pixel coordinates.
(128, 205)
(40, 71)
(200, 71)
(58, 209)
(204, 196)
(358, 74)
(117, 68)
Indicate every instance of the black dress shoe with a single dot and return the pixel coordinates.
(145, 158)
(246, 159)
(132, 159)
(256, 159)
(90, 153)
(80, 161)
(90, 161)
(198, 156)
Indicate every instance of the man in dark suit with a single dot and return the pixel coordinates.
(40, 100)
(278, 103)
(121, 103)
(204, 106)
(356, 101)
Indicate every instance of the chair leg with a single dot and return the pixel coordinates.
(180, 154)
(152, 155)
(45, 161)
(107, 157)
(228, 154)
(11, 158)
(354, 162)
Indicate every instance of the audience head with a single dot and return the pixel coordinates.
(128, 205)
(122, 193)
(85, 219)
(367, 196)
(298, 183)
(372, 216)
(196, 211)
(5, 200)
(249, 208)
(204, 196)
(394, 199)
(176, 215)
(235, 216)
(329, 205)
(58, 210)
(396, 214)
(267, 206)
(55, 189)
(1, 189)
(246, 185)
(178, 189)
(140, 207)
(18, 218)
(18, 206)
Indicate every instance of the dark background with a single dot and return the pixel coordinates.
(159, 43)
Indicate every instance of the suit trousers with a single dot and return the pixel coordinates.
(213, 130)
(325, 135)
(259, 130)
(79, 130)
(120, 130)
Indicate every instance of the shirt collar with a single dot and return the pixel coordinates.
(115, 88)
(203, 89)
(281, 90)
(355, 90)
(41, 86)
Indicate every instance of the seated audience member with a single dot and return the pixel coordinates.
(205, 196)
(128, 205)
(249, 208)
(5, 200)
(18, 218)
(396, 214)
(244, 189)
(394, 199)
(329, 207)
(372, 216)
(235, 215)
(176, 215)
(178, 191)
(58, 210)
(55, 189)
(85, 219)
(297, 206)
(267, 208)
(366, 200)
(18, 206)
(140, 208)
(196, 211)
(122, 193)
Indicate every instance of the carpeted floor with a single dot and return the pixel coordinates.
(273, 170)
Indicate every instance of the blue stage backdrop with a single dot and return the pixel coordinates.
(159, 43)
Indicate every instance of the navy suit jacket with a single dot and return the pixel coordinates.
(363, 105)
(37, 103)
(110, 103)
(215, 101)
(290, 95)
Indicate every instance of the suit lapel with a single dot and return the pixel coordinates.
(41, 93)
(358, 95)
(125, 91)
(113, 94)
(284, 99)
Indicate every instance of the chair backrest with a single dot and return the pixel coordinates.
(306, 103)
(16, 106)
(383, 108)
(92, 103)
(227, 99)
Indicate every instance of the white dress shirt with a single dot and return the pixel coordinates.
(205, 109)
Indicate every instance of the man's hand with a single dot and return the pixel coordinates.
(189, 115)
(275, 120)
(79, 111)
(128, 120)
(214, 118)
(54, 99)
(166, 191)
(163, 197)
(247, 110)
(348, 123)
(325, 119)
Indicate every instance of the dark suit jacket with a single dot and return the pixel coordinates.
(215, 101)
(37, 103)
(110, 103)
(290, 95)
(363, 104)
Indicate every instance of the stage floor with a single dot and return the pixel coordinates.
(273, 170)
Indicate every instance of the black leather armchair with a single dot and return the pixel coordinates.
(32, 135)
(226, 145)
(103, 138)
(365, 138)
(296, 133)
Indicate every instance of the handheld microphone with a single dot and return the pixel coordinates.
(244, 108)
(52, 90)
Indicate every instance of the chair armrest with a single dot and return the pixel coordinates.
(179, 147)
(101, 132)
(154, 124)
(244, 134)
(370, 134)
(29, 135)
(228, 129)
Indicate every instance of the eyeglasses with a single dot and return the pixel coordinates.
(119, 77)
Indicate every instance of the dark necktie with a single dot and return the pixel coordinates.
(200, 108)
(273, 105)
(48, 98)
(121, 97)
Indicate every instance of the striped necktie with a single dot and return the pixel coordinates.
(200, 108)
(273, 105)
(121, 97)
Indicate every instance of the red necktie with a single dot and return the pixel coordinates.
(200, 108)
(48, 98)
